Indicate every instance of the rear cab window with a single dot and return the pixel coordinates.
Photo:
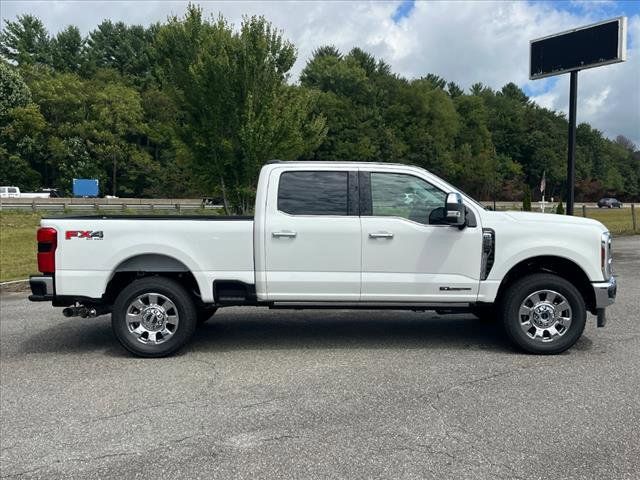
(314, 193)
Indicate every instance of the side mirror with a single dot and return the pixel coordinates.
(454, 210)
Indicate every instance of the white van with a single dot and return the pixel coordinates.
(9, 192)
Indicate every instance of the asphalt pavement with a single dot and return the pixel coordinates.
(321, 394)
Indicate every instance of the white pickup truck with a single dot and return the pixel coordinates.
(332, 235)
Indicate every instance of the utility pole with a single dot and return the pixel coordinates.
(113, 179)
(571, 151)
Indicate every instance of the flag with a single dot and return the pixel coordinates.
(543, 182)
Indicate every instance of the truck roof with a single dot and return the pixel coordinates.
(339, 162)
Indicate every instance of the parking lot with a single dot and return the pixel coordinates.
(321, 394)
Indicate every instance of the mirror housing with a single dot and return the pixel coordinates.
(454, 210)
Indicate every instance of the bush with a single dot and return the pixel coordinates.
(560, 208)
(526, 201)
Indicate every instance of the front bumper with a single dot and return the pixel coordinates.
(41, 288)
(605, 295)
(605, 292)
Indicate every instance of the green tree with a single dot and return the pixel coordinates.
(240, 111)
(127, 49)
(454, 90)
(434, 81)
(22, 143)
(14, 92)
(25, 41)
(67, 53)
(15, 171)
(513, 92)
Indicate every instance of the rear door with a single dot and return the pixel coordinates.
(312, 235)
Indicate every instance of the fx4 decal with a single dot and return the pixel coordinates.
(87, 234)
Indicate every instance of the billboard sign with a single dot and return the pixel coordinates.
(86, 187)
(590, 46)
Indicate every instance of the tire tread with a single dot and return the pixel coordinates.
(537, 281)
(182, 300)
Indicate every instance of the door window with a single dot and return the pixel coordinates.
(406, 196)
(313, 193)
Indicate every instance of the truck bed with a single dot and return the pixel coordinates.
(90, 249)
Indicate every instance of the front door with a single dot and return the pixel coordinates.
(312, 238)
(406, 255)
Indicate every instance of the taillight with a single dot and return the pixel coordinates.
(47, 243)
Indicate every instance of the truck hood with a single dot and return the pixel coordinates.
(551, 218)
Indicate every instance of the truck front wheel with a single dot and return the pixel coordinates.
(153, 317)
(543, 313)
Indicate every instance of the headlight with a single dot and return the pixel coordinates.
(606, 259)
(488, 252)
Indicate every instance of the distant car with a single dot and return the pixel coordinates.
(608, 202)
(9, 192)
(14, 192)
(53, 192)
(41, 194)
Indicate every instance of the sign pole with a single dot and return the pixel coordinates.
(594, 45)
(571, 154)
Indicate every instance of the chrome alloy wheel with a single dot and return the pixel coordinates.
(152, 318)
(545, 316)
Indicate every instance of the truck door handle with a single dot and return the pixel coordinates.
(285, 233)
(381, 235)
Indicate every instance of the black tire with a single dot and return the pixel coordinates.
(205, 313)
(175, 293)
(516, 294)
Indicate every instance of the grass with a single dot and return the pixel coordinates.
(617, 220)
(18, 236)
(18, 246)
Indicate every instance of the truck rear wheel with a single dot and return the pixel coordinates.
(153, 317)
(543, 313)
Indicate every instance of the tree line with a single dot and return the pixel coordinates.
(194, 107)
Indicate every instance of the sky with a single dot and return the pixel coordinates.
(463, 41)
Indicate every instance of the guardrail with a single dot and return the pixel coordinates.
(537, 206)
(179, 205)
(104, 204)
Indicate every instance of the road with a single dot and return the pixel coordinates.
(321, 394)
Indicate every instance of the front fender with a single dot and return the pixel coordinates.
(583, 261)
